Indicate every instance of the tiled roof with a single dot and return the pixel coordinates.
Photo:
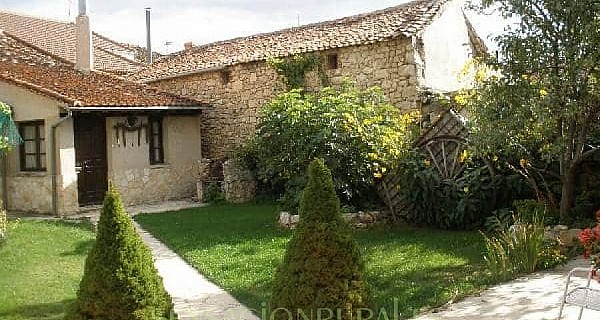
(31, 68)
(59, 38)
(404, 20)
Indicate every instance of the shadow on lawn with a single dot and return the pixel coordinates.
(427, 286)
(41, 311)
(81, 248)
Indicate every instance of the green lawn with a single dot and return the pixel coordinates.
(40, 267)
(239, 246)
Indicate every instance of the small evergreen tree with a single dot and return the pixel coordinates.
(120, 281)
(322, 267)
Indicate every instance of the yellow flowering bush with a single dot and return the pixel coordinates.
(358, 134)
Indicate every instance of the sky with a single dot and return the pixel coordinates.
(175, 22)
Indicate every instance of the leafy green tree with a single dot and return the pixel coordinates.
(357, 133)
(541, 99)
(322, 267)
(120, 281)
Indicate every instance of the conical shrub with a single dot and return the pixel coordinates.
(120, 281)
(322, 267)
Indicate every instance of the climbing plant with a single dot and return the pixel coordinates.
(294, 69)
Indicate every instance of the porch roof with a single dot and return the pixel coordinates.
(39, 71)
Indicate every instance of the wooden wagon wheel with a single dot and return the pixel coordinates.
(445, 152)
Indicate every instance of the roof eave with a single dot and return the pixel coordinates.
(137, 108)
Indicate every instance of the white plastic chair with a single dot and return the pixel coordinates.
(584, 297)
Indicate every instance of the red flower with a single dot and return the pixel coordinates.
(597, 232)
(590, 239)
(587, 236)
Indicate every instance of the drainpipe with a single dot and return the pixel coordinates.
(54, 159)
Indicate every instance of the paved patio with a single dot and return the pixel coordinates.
(534, 297)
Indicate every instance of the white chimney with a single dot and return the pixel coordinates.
(85, 55)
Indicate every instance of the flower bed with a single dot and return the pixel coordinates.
(590, 239)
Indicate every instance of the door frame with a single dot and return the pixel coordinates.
(99, 145)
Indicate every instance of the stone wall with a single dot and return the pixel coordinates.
(30, 193)
(238, 184)
(238, 92)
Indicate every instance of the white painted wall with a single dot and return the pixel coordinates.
(32, 191)
(446, 50)
(137, 180)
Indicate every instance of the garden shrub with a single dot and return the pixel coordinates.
(515, 250)
(499, 220)
(357, 133)
(461, 203)
(120, 281)
(530, 209)
(213, 192)
(550, 255)
(322, 266)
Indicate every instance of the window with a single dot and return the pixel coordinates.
(33, 149)
(157, 153)
(332, 61)
(225, 76)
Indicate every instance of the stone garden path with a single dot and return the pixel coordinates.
(194, 297)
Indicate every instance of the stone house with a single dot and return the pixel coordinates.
(420, 46)
(82, 128)
(58, 38)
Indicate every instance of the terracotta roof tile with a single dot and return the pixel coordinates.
(58, 38)
(27, 66)
(404, 20)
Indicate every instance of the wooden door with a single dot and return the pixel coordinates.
(90, 158)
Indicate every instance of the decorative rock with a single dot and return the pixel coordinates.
(294, 219)
(569, 237)
(284, 219)
(359, 220)
(560, 227)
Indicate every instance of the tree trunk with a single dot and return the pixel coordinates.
(567, 195)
